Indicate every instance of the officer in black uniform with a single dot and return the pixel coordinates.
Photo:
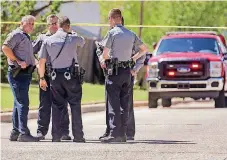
(66, 77)
(118, 45)
(45, 97)
(130, 133)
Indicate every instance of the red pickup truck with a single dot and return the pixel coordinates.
(188, 64)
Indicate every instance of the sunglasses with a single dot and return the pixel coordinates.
(53, 24)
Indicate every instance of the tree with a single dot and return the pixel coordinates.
(187, 13)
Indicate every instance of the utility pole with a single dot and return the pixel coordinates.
(141, 17)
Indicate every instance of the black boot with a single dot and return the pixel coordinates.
(130, 138)
(40, 136)
(66, 137)
(14, 136)
(79, 140)
(27, 138)
(106, 134)
(56, 140)
(110, 139)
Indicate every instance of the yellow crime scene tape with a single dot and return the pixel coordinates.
(133, 26)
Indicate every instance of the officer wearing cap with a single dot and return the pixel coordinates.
(118, 45)
(65, 80)
(18, 49)
(45, 97)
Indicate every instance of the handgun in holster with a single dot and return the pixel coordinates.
(16, 69)
(30, 69)
(111, 66)
(132, 63)
(48, 69)
(77, 71)
(81, 75)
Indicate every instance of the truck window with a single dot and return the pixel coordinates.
(202, 45)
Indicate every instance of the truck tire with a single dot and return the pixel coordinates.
(219, 102)
(166, 102)
(152, 103)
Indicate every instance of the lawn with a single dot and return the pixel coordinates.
(91, 93)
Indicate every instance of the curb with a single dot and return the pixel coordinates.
(33, 114)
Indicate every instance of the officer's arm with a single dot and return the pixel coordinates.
(139, 63)
(105, 54)
(107, 43)
(42, 63)
(79, 40)
(10, 43)
(99, 51)
(42, 59)
(142, 48)
(143, 51)
(9, 53)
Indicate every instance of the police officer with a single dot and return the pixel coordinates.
(18, 49)
(130, 132)
(119, 43)
(65, 82)
(45, 97)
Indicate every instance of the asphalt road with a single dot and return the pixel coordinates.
(194, 131)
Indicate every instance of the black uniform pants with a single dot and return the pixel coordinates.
(130, 132)
(117, 89)
(71, 91)
(44, 114)
(131, 119)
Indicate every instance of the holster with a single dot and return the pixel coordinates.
(111, 66)
(81, 75)
(77, 71)
(30, 69)
(15, 70)
(49, 69)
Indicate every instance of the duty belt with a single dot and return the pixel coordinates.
(62, 70)
(66, 71)
(125, 64)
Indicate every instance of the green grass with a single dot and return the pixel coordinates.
(91, 94)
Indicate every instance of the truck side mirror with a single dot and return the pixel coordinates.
(154, 45)
(225, 56)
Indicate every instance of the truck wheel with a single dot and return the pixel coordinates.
(152, 103)
(166, 102)
(220, 100)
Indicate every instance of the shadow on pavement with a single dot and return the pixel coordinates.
(145, 142)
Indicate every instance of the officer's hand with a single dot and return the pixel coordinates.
(134, 60)
(133, 73)
(106, 56)
(22, 64)
(43, 84)
(103, 65)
